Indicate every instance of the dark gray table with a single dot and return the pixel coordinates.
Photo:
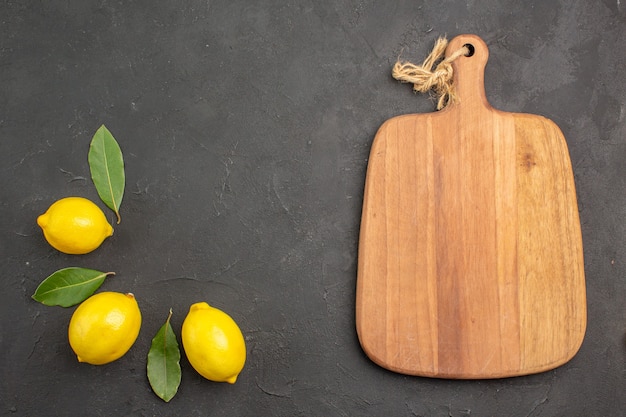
(246, 128)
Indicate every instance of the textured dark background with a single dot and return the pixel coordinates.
(246, 127)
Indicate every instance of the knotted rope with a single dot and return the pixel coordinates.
(435, 73)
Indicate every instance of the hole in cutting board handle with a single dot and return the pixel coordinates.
(470, 49)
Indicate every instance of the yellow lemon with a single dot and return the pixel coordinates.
(74, 225)
(104, 327)
(213, 343)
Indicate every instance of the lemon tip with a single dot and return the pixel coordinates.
(42, 220)
(232, 379)
(199, 306)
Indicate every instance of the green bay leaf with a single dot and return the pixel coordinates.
(69, 286)
(106, 164)
(164, 362)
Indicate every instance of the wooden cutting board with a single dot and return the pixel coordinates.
(470, 251)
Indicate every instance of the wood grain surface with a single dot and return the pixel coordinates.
(470, 253)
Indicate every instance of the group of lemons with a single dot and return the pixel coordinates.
(105, 326)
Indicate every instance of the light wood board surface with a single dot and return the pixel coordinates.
(470, 252)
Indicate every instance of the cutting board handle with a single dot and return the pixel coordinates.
(469, 73)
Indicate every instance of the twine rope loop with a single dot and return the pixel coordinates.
(435, 73)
